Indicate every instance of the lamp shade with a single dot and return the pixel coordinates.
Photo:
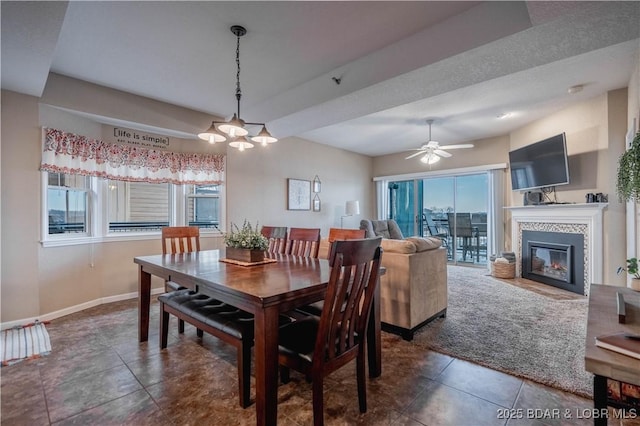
(240, 143)
(234, 128)
(212, 135)
(352, 207)
(264, 137)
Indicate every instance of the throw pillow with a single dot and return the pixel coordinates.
(368, 227)
(394, 230)
(381, 228)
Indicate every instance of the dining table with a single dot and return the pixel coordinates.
(279, 284)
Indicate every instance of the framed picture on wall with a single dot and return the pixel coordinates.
(298, 194)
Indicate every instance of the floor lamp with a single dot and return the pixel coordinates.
(351, 208)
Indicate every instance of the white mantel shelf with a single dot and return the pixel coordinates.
(588, 214)
(558, 207)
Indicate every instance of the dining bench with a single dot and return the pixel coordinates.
(226, 322)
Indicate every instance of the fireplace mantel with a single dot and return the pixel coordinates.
(585, 215)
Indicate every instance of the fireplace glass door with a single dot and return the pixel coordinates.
(551, 260)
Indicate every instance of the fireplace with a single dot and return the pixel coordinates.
(584, 219)
(554, 258)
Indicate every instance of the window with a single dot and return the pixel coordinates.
(203, 206)
(84, 209)
(67, 200)
(138, 206)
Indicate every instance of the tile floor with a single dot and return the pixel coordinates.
(98, 374)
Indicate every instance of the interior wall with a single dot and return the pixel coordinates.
(485, 151)
(633, 125)
(258, 184)
(595, 132)
(41, 282)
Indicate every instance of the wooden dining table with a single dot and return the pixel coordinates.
(265, 290)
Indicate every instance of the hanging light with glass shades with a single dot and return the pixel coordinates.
(235, 128)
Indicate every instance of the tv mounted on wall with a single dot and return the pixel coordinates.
(540, 164)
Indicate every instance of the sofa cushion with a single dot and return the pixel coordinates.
(397, 246)
(383, 228)
(425, 243)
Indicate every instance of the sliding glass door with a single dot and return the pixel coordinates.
(453, 208)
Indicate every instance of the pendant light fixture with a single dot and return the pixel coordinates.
(235, 128)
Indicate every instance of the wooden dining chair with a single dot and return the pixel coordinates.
(335, 234)
(303, 242)
(179, 239)
(175, 240)
(277, 236)
(318, 346)
(341, 234)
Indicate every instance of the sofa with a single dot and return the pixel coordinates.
(413, 289)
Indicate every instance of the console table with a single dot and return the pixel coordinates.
(603, 363)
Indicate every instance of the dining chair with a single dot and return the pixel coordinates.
(318, 346)
(341, 234)
(434, 230)
(277, 236)
(460, 226)
(179, 239)
(335, 234)
(303, 242)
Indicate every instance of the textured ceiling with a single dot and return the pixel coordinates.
(462, 63)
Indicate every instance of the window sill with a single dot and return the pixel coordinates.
(119, 237)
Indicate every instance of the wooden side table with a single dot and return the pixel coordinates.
(603, 363)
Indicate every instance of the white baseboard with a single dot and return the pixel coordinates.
(76, 308)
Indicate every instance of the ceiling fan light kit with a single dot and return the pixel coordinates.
(432, 151)
(235, 128)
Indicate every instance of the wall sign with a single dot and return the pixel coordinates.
(137, 138)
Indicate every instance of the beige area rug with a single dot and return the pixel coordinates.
(514, 330)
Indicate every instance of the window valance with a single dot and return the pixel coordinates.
(65, 152)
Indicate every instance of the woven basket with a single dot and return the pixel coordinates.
(503, 270)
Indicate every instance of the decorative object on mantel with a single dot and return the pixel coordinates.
(351, 208)
(298, 194)
(634, 270)
(628, 177)
(246, 244)
(235, 128)
(317, 185)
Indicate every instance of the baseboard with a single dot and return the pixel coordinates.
(77, 308)
(407, 333)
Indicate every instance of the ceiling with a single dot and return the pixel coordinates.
(399, 63)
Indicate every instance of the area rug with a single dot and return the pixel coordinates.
(26, 342)
(514, 330)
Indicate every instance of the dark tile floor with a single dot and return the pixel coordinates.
(98, 374)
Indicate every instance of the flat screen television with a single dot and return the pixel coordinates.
(540, 164)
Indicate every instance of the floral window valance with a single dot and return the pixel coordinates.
(73, 154)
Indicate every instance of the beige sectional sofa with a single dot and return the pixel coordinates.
(413, 289)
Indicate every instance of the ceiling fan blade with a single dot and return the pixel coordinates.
(442, 153)
(462, 145)
(415, 155)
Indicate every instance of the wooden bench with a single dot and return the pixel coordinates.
(219, 319)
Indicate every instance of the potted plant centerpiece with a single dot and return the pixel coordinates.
(246, 244)
(634, 271)
(628, 177)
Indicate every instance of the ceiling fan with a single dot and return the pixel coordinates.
(432, 150)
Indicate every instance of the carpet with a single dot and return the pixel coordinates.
(513, 330)
(26, 342)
